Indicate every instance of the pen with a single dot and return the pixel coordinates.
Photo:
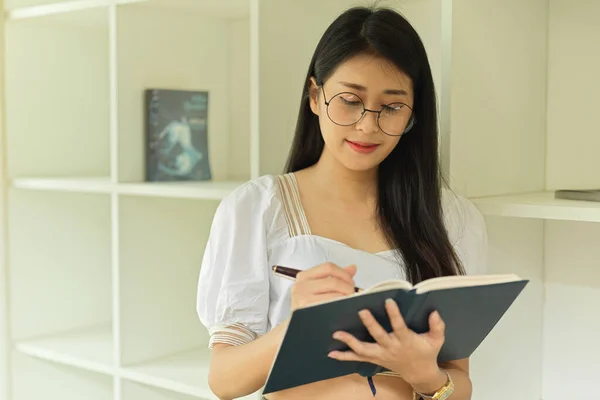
(288, 272)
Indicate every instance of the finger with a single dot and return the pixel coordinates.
(436, 326)
(380, 335)
(351, 269)
(346, 356)
(396, 320)
(326, 285)
(319, 298)
(324, 297)
(362, 349)
(324, 271)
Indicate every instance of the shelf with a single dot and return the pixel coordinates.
(230, 9)
(33, 378)
(62, 7)
(212, 190)
(219, 66)
(135, 391)
(187, 190)
(72, 110)
(540, 205)
(90, 349)
(79, 185)
(184, 373)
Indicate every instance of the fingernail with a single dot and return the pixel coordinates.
(389, 301)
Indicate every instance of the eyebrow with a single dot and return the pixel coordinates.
(356, 86)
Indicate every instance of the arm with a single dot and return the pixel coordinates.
(233, 293)
(458, 371)
(237, 371)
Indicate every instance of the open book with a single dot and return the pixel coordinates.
(470, 306)
(444, 282)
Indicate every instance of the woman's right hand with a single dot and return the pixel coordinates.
(323, 282)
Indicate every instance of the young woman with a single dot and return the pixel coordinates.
(361, 202)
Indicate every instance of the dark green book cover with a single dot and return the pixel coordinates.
(470, 311)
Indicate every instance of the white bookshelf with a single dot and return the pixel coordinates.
(522, 122)
(538, 205)
(99, 268)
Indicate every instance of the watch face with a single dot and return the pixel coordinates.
(442, 394)
(445, 393)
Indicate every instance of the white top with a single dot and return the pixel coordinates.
(262, 223)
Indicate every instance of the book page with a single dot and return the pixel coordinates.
(390, 284)
(449, 282)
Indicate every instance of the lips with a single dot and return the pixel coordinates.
(362, 147)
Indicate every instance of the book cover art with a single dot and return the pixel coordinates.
(177, 135)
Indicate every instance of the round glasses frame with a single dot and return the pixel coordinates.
(411, 121)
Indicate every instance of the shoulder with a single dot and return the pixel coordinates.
(256, 201)
(255, 194)
(466, 229)
(260, 189)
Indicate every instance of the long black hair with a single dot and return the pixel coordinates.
(409, 180)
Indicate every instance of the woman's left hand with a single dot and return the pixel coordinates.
(413, 356)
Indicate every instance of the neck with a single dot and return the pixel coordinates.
(336, 180)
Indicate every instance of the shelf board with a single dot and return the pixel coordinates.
(62, 7)
(185, 373)
(80, 185)
(214, 190)
(229, 9)
(540, 205)
(190, 190)
(90, 349)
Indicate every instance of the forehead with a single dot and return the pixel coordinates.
(375, 73)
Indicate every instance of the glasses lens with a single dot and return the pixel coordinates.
(394, 118)
(345, 109)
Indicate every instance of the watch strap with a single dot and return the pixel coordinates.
(441, 394)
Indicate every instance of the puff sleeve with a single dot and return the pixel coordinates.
(233, 284)
(468, 234)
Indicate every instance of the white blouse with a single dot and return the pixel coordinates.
(262, 223)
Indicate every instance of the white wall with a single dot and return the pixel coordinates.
(498, 146)
(572, 254)
(4, 329)
(498, 106)
(571, 316)
(62, 126)
(573, 87)
(508, 365)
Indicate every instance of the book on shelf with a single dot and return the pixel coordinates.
(176, 135)
(470, 305)
(578, 194)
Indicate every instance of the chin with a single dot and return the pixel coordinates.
(361, 165)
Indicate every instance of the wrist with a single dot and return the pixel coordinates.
(430, 382)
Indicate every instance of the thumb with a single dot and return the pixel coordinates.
(351, 269)
(436, 327)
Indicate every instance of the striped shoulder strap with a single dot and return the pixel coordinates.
(294, 213)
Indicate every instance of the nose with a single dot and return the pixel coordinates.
(368, 122)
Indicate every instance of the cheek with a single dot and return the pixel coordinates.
(332, 134)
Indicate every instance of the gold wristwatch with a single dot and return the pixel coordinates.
(441, 394)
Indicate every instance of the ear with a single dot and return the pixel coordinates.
(313, 93)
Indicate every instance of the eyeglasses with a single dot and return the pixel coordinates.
(347, 108)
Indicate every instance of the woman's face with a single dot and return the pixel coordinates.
(354, 139)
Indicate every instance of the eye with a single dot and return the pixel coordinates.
(350, 99)
(393, 108)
